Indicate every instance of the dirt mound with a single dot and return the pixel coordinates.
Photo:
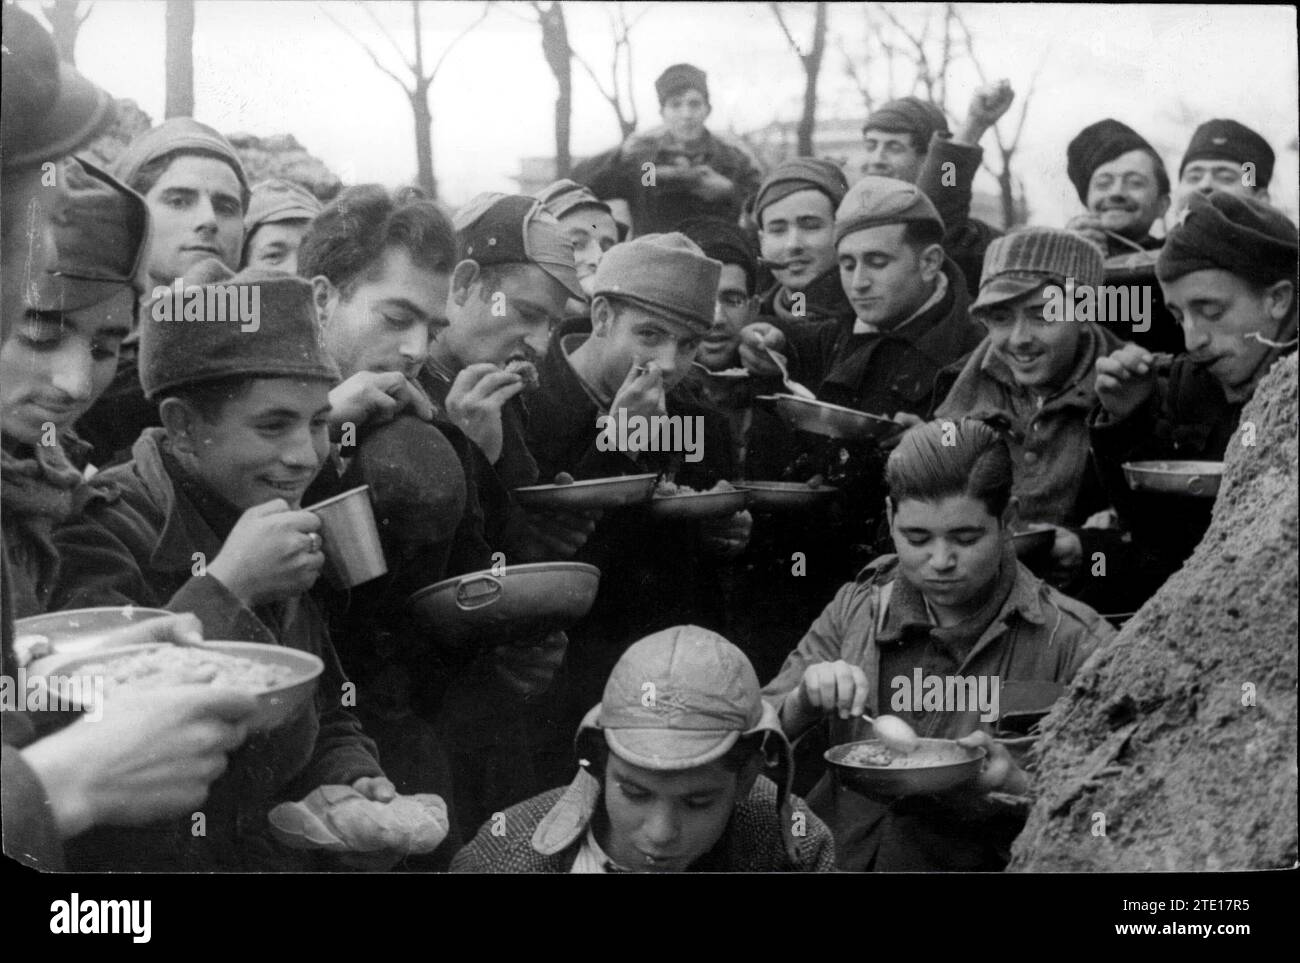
(1179, 739)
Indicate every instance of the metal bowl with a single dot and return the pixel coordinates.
(1033, 540)
(74, 631)
(593, 493)
(936, 765)
(1198, 478)
(690, 505)
(521, 602)
(779, 496)
(275, 706)
(833, 421)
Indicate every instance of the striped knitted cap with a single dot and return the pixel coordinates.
(1024, 260)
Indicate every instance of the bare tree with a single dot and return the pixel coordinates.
(559, 57)
(1008, 184)
(931, 68)
(417, 88)
(618, 93)
(812, 65)
(65, 18)
(180, 59)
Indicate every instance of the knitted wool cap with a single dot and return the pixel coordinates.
(176, 134)
(912, 114)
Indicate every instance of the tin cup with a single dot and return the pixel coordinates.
(350, 538)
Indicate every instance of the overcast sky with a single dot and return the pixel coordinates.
(277, 66)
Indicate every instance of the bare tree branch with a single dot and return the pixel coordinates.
(487, 7)
(364, 46)
(85, 13)
(794, 44)
(370, 12)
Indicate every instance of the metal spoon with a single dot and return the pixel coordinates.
(796, 389)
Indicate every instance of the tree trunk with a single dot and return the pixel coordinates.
(559, 56)
(424, 139)
(65, 21)
(180, 59)
(1005, 190)
(812, 64)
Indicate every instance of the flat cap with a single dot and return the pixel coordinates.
(565, 195)
(912, 114)
(876, 200)
(1023, 260)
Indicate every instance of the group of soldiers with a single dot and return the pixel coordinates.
(159, 450)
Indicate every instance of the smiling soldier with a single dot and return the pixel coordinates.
(1033, 378)
(208, 518)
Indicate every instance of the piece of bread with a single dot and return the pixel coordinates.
(526, 370)
(339, 819)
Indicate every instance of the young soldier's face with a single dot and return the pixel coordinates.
(685, 114)
(662, 822)
(55, 364)
(506, 319)
(798, 233)
(637, 336)
(893, 154)
(1220, 314)
(1039, 352)
(1125, 194)
(275, 246)
(1206, 176)
(387, 318)
(735, 308)
(592, 232)
(885, 278)
(267, 443)
(949, 550)
(197, 213)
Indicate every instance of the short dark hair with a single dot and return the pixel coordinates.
(356, 228)
(948, 458)
(919, 144)
(726, 242)
(144, 179)
(921, 234)
(208, 398)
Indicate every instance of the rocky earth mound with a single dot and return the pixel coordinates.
(1176, 749)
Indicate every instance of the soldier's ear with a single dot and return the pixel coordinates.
(181, 420)
(462, 280)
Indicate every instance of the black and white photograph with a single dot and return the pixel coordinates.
(558, 437)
